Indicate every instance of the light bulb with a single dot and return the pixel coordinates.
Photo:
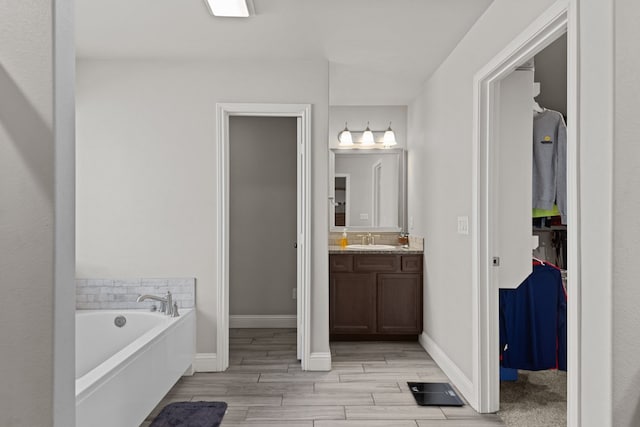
(367, 136)
(389, 137)
(345, 137)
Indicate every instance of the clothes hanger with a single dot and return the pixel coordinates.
(539, 260)
(536, 91)
(537, 108)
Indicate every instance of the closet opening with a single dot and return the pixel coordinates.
(533, 310)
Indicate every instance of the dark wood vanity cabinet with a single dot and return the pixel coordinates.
(375, 296)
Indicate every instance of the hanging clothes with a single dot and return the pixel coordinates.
(533, 322)
(550, 162)
(543, 213)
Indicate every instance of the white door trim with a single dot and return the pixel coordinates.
(303, 113)
(561, 17)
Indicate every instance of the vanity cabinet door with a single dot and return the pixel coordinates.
(399, 308)
(352, 303)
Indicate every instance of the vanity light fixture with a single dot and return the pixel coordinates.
(367, 136)
(230, 8)
(386, 138)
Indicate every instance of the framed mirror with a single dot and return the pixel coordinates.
(368, 190)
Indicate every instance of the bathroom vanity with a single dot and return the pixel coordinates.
(375, 295)
(375, 290)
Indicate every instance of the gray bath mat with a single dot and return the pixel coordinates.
(434, 394)
(191, 414)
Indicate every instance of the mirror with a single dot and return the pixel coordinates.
(368, 190)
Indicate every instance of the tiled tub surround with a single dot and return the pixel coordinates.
(115, 294)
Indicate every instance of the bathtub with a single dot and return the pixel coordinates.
(122, 373)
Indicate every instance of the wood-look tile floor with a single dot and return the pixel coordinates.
(264, 386)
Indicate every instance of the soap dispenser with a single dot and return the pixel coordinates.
(344, 241)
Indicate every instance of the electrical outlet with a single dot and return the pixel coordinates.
(294, 293)
(463, 225)
(364, 216)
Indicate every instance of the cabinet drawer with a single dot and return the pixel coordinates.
(341, 263)
(376, 263)
(412, 263)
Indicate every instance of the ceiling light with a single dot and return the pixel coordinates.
(389, 137)
(229, 8)
(367, 136)
(345, 137)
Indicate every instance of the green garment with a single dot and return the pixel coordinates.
(543, 213)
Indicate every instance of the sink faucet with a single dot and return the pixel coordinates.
(168, 307)
(366, 238)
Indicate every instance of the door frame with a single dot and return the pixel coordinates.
(303, 114)
(347, 201)
(560, 18)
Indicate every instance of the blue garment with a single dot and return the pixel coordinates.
(533, 322)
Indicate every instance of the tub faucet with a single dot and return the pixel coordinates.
(167, 305)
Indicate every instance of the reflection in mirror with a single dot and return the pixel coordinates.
(368, 190)
(341, 188)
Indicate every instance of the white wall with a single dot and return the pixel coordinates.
(440, 138)
(626, 206)
(36, 214)
(146, 178)
(596, 33)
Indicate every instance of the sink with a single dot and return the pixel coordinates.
(371, 247)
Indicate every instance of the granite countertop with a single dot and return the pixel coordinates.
(399, 250)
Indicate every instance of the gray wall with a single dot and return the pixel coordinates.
(36, 214)
(626, 208)
(262, 215)
(551, 72)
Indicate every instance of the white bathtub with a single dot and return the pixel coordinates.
(123, 373)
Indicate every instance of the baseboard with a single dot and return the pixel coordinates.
(205, 362)
(262, 321)
(319, 362)
(448, 366)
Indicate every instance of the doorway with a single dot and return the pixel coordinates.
(487, 180)
(262, 222)
(301, 114)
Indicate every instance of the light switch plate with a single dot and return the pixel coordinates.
(463, 225)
